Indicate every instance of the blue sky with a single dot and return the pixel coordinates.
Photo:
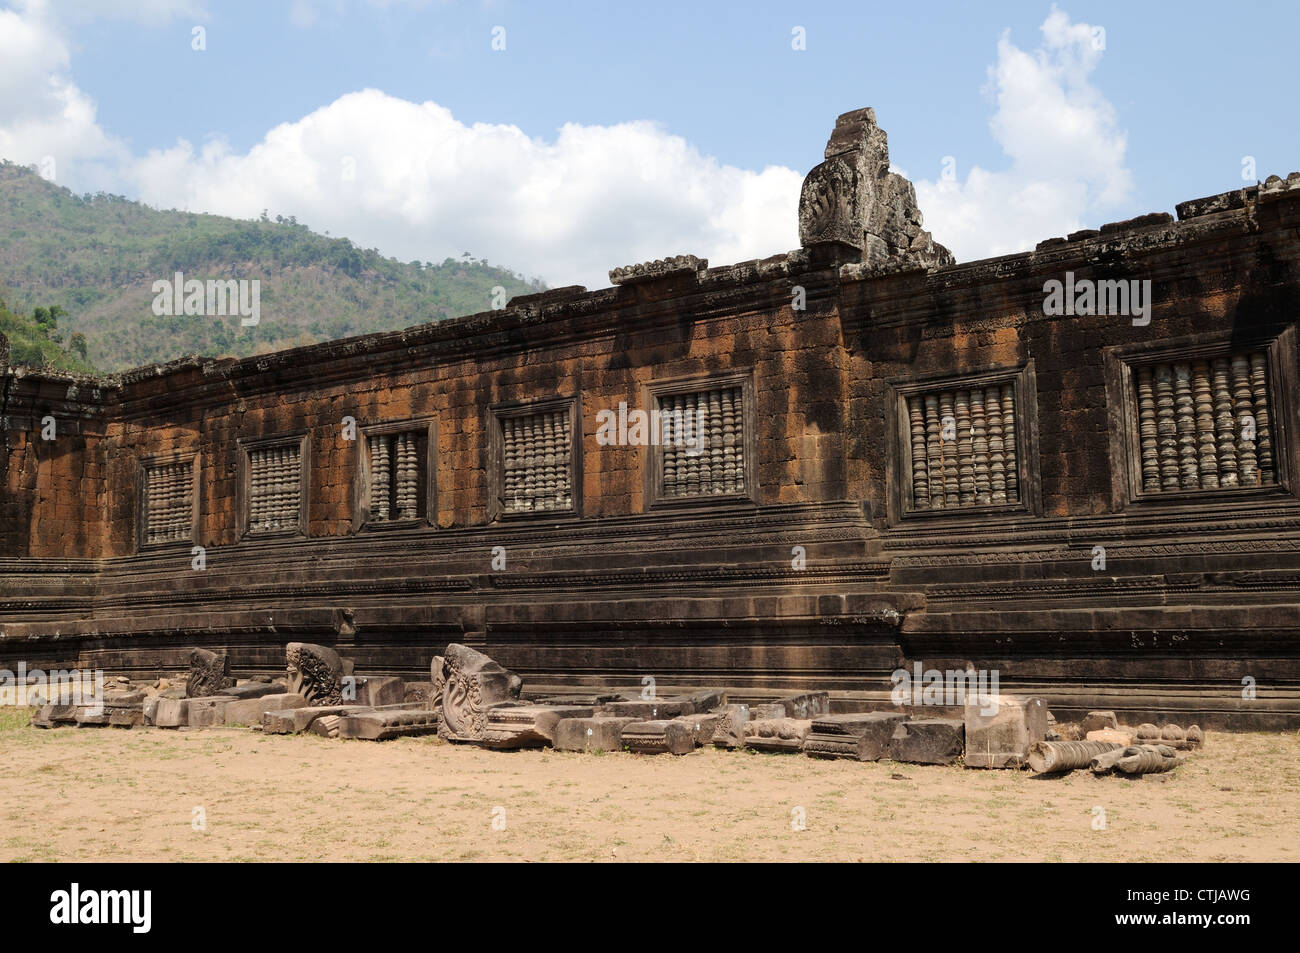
(611, 133)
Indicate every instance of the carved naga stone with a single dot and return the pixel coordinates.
(853, 199)
(208, 674)
(315, 672)
(466, 684)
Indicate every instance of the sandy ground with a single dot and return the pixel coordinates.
(113, 794)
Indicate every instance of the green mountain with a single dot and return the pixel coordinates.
(96, 257)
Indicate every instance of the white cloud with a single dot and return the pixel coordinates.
(413, 181)
(1067, 152)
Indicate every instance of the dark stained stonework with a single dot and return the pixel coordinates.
(823, 574)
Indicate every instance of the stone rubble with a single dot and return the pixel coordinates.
(473, 699)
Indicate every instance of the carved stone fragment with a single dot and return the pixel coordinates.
(315, 672)
(658, 737)
(852, 198)
(859, 736)
(527, 726)
(471, 684)
(777, 734)
(208, 673)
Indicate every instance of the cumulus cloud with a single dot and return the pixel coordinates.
(415, 182)
(1067, 153)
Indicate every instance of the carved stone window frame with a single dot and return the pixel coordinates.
(899, 470)
(498, 414)
(1125, 448)
(427, 428)
(653, 476)
(301, 438)
(153, 461)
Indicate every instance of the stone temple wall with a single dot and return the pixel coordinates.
(908, 461)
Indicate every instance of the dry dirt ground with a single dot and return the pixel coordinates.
(72, 794)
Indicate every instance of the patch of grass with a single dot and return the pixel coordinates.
(12, 719)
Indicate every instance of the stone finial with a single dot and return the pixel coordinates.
(853, 199)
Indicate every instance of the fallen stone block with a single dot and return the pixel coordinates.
(150, 709)
(730, 730)
(1096, 720)
(208, 711)
(91, 716)
(248, 711)
(50, 716)
(806, 706)
(373, 691)
(393, 723)
(702, 725)
(292, 721)
(252, 690)
(597, 733)
(125, 717)
(861, 737)
(1117, 735)
(654, 709)
(928, 741)
(327, 726)
(1000, 729)
(658, 737)
(527, 726)
(777, 734)
(703, 701)
(172, 712)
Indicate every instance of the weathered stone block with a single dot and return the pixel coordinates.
(248, 711)
(702, 725)
(393, 723)
(527, 726)
(91, 716)
(598, 733)
(777, 734)
(1000, 729)
(730, 729)
(253, 690)
(649, 710)
(1096, 720)
(928, 741)
(658, 737)
(172, 712)
(125, 717)
(374, 691)
(291, 721)
(208, 711)
(1116, 735)
(861, 737)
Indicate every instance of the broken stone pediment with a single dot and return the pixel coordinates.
(853, 199)
(466, 685)
(208, 673)
(315, 672)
